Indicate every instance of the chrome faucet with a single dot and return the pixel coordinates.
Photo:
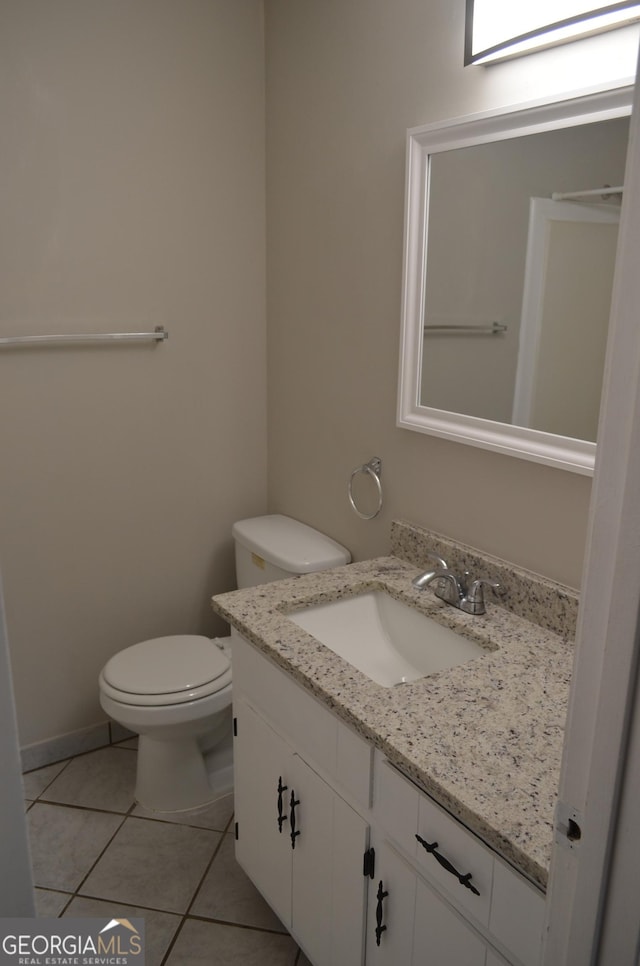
(457, 591)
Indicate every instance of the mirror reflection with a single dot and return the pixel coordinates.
(518, 279)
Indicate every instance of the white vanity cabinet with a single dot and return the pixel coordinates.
(311, 799)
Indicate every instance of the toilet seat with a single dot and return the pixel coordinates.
(165, 671)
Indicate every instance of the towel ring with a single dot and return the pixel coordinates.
(373, 469)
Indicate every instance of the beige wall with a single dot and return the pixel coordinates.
(132, 194)
(344, 82)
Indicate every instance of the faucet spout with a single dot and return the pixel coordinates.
(423, 579)
(420, 582)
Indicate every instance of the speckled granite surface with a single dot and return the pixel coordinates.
(484, 739)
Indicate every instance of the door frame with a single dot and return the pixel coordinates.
(543, 211)
(600, 761)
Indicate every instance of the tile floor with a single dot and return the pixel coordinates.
(96, 853)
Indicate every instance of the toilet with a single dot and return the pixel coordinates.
(175, 692)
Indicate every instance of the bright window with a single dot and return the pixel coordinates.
(497, 29)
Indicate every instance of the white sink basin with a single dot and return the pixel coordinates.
(385, 639)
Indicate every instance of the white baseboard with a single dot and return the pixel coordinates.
(65, 746)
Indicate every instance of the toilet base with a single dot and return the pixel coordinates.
(174, 776)
(171, 775)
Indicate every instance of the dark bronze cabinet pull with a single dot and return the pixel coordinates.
(464, 880)
(282, 818)
(380, 928)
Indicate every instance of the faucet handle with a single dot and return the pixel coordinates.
(475, 594)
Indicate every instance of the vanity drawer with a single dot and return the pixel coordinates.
(404, 812)
(461, 850)
(318, 735)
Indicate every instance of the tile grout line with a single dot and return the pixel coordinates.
(206, 872)
(93, 865)
(193, 899)
(85, 808)
(237, 925)
(55, 777)
(173, 941)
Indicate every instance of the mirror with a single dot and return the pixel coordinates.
(508, 269)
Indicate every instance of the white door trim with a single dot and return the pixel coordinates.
(604, 685)
(543, 211)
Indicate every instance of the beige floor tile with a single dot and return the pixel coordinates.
(65, 842)
(101, 779)
(215, 816)
(159, 927)
(49, 904)
(153, 864)
(35, 782)
(228, 894)
(207, 943)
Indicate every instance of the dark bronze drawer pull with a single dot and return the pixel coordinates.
(464, 880)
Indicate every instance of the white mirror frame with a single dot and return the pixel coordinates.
(575, 455)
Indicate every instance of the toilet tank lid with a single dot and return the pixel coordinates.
(289, 544)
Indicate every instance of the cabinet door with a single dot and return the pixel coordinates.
(262, 764)
(328, 896)
(311, 895)
(440, 936)
(299, 843)
(349, 889)
(391, 910)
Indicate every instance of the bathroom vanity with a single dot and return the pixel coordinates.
(382, 822)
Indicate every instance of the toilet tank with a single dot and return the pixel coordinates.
(275, 546)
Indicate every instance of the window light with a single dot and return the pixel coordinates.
(497, 29)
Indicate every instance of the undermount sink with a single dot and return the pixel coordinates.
(387, 640)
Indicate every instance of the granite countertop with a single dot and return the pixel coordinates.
(483, 739)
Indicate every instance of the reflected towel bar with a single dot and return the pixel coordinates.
(495, 328)
(603, 193)
(158, 335)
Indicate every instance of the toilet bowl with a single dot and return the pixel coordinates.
(175, 692)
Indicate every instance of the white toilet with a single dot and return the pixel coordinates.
(175, 692)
